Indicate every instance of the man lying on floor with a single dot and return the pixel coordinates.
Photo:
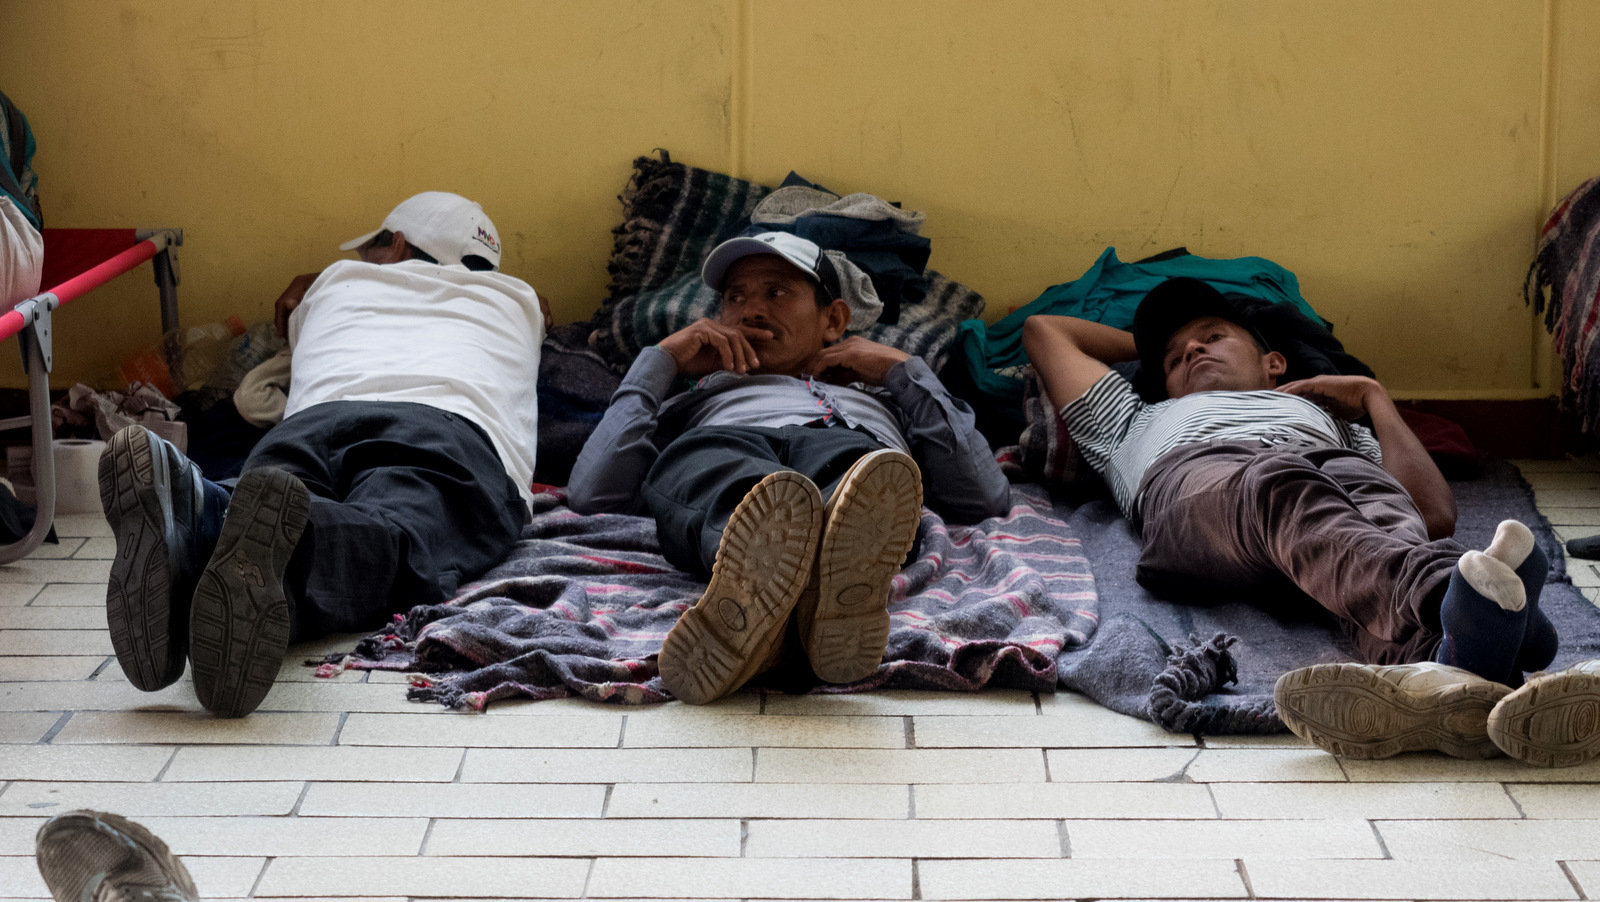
(795, 491)
(1243, 487)
(401, 469)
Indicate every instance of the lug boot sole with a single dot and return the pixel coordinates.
(871, 525)
(239, 623)
(148, 625)
(1346, 710)
(762, 566)
(1552, 721)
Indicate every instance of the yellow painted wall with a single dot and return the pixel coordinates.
(1396, 155)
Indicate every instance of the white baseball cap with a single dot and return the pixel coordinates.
(802, 253)
(445, 226)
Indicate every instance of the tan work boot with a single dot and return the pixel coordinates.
(763, 564)
(92, 856)
(1375, 711)
(871, 523)
(1553, 720)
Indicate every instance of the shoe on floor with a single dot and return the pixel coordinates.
(155, 500)
(1553, 720)
(91, 856)
(1374, 711)
(239, 622)
(869, 526)
(762, 566)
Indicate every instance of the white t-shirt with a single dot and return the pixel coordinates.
(446, 336)
(21, 255)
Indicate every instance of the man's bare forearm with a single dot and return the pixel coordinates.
(1071, 354)
(1409, 463)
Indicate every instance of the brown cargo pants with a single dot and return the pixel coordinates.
(1249, 519)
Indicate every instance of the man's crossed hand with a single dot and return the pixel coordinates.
(1346, 397)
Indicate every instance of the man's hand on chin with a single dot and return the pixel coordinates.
(706, 346)
(1346, 397)
(855, 359)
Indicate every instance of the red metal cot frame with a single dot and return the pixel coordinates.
(32, 320)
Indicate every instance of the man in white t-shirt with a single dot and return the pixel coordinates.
(1247, 488)
(21, 249)
(401, 470)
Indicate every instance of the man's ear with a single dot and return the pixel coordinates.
(1277, 364)
(836, 320)
(397, 250)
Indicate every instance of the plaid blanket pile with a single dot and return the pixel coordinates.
(584, 602)
(673, 215)
(1564, 284)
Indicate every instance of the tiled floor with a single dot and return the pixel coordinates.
(342, 789)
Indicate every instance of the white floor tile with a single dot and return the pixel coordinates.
(750, 878)
(57, 669)
(25, 727)
(53, 618)
(1160, 801)
(328, 763)
(905, 702)
(113, 727)
(133, 764)
(1557, 801)
(696, 730)
(1363, 800)
(1450, 879)
(1539, 840)
(1041, 879)
(280, 836)
(151, 799)
(479, 730)
(607, 766)
(613, 837)
(902, 839)
(760, 800)
(471, 800)
(899, 765)
(1295, 840)
(487, 878)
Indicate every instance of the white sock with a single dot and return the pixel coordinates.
(1512, 544)
(1493, 579)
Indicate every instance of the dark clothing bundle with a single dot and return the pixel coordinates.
(408, 502)
(1564, 283)
(1221, 519)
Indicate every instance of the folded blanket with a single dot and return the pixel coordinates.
(584, 603)
(1566, 269)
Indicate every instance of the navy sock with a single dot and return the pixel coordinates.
(1539, 640)
(1479, 635)
(209, 525)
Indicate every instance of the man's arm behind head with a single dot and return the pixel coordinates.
(1072, 354)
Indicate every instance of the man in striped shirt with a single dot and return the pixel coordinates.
(1242, 487)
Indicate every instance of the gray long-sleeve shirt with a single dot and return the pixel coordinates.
(912, 412)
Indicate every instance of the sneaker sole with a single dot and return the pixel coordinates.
(1552, 721)
(239, 622)
(762, 566)
(137, 498)
(871, 526)
(79, 851)
(1346, 710)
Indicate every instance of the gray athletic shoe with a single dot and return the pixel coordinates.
(239, 623)
(1553, 720)
(91, 856)
(1376, 711)
(154, 500)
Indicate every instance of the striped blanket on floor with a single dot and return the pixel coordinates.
(584, 602)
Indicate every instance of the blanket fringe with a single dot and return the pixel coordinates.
(647, 203)
(1195, 671)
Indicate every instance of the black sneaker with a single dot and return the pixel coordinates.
(154, 499)
(239, 623)
(91, 856)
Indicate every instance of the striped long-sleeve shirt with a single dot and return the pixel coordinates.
(1121, 436)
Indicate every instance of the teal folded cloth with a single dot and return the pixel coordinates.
(1109, 293)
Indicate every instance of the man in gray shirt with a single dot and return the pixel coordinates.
(735, 469)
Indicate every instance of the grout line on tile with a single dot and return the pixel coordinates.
(1213, 797)
(1506, 788)
(911, 802)
(1038, 706)
(339, 730)
(744, 835)
(753, 751)
(461, 766)
(5, 786)
(101, 669)
(51, 733)
(762, 707)
(1182, 774)
(1576, 886)
(584, 894)
(1066, 841)
(166, 767)
(605, 804)
(911, 733)
(916, 880)
(1378, 835)
(1047, 777)
(427, 834)
(1338, 762)
(305, 789)
(622, 731)
(1244, 875)
(260, 875)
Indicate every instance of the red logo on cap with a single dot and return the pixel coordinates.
(487, 240)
